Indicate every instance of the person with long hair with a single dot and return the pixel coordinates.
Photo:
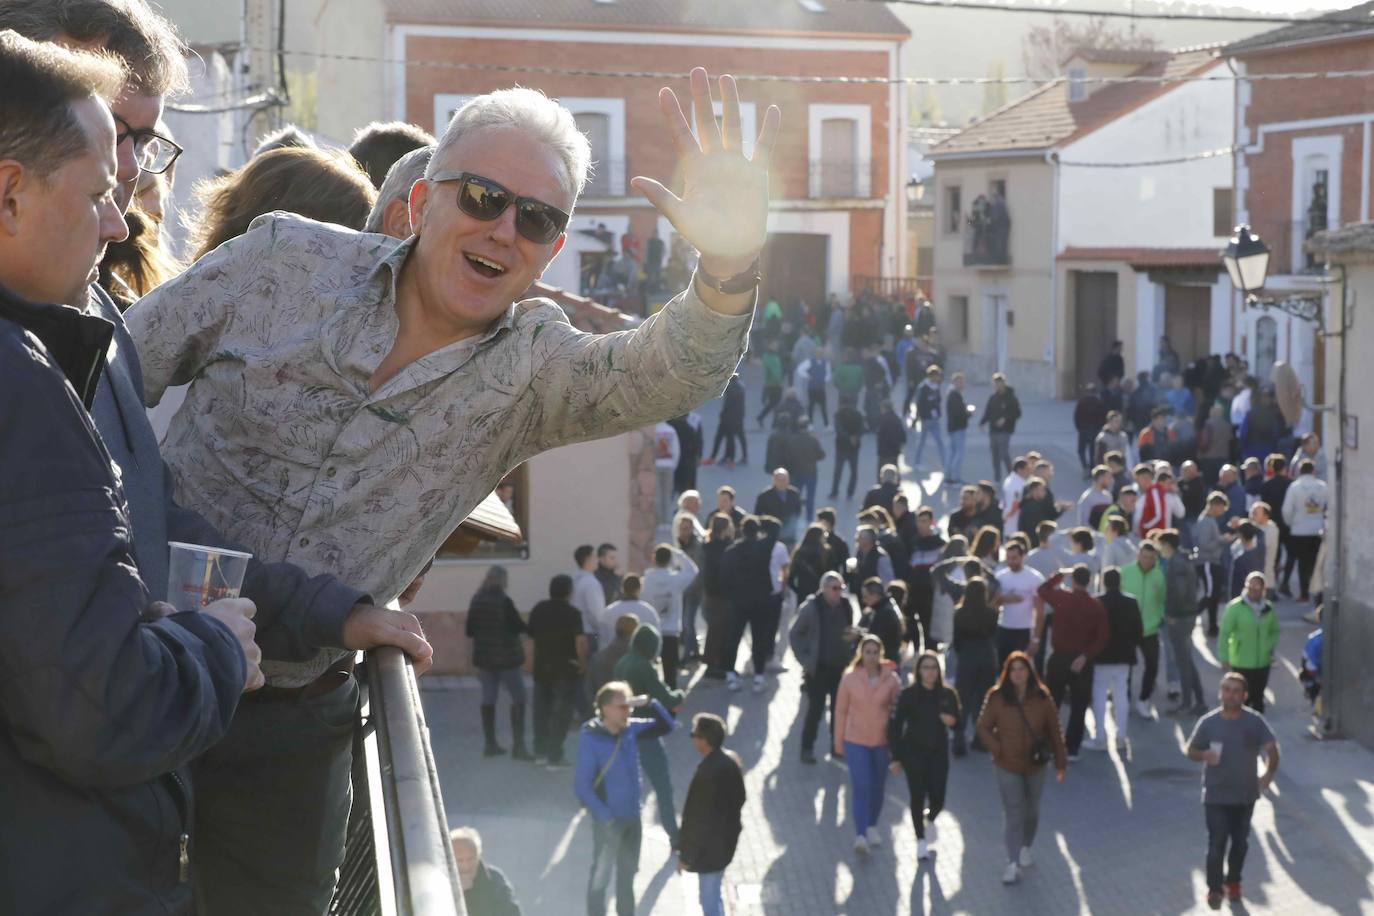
(918, 735)
(495, 627)
(323, 186)
(863, 706)
(809, 561)
(1019, 725)
(720, 532)
(975, 651)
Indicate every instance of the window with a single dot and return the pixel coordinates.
(446, 105)
(839, 158)
(958, 319)
(1078, 90)
(747, 124)
(1221, 211)
(514, 491)
(840, 149)
(603, 121)
(954, 209)
(997, 187)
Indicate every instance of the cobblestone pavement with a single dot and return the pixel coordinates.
(1123, 834)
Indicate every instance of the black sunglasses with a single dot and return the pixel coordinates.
(481, 198)
(154, 152)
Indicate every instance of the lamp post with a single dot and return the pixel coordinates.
(1247, 261)
(915, 191)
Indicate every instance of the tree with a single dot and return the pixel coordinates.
(995, 94)
(1046, 47)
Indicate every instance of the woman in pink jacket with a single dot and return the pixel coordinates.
(864, 704)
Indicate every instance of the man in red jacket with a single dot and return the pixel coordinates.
(1080, 633)
(1152, 510)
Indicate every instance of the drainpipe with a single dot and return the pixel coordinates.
(1052, 160)
(1334, 584)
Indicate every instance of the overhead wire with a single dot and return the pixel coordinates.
(1045, 10)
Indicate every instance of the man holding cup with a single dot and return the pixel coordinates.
(1228, 740)
(104, 694)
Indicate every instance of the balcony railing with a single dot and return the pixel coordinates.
(891, 287)
(607, 178)
(398, 860)
(1285, 240)
(987, 241)
(840, 178)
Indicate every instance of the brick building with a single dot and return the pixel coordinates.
(1302, 166)
(838, 193)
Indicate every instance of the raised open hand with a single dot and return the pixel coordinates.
(723, 210)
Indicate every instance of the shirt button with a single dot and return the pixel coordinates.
(331, 472)
(305, 542)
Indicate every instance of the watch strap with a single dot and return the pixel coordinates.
(745, 281)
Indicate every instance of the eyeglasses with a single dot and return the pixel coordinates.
(481, 198)
(154, 152)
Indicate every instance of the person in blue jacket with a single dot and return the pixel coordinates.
(607, 783)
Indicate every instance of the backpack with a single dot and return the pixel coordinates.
(815, 375)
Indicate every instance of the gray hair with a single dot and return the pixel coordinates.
(528, 110)
(496, 577)
(468, 835)
(889, 474)
(403, 174)
(831, 576)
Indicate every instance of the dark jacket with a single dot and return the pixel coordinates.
(713, 566)
(882, 495)
(601, 668)
(956, 411)
(637, 669)
(805, 570)
(884, 621)
(1089, 414)
(1180, 586)
(555, 626)
(494, 626)
(732, 403)
(891, 435)
(1124, 629)
(491, 893)
(915, 725)
(849, 428)
(801, 452)
(1003, 406)
(928, 401)
(99, 708)
(783, 505)
(1245, 563)
(972, 624)
(711, 815)
(746, 577)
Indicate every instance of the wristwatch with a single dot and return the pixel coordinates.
(745, 281)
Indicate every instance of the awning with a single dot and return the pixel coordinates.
(492, 521)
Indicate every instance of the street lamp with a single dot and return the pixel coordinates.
(915, 190)
(1247, 261)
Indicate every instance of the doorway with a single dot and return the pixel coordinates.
(794, 267)
(995, 320)
(1188, 320)
(1094, 308)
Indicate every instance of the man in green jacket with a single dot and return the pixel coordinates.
(1144, 580)
(1249, 634)
(637, 669)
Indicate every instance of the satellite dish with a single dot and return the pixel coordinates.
(1287, 392)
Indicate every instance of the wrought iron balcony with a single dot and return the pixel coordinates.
(987, 241)
(840, 178)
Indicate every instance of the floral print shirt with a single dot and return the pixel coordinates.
(281, 445)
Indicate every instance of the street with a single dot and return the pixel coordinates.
(1123, 834)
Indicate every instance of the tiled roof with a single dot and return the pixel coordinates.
(1354, 20)
(586, 314)
(1147, 257)
(839, 16)
(1045, 117)
(1120, 56)
(492, 520)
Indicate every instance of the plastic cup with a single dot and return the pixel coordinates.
(200, 575)
(1215, 747)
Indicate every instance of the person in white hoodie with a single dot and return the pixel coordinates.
(1304, 509)
(672, 574)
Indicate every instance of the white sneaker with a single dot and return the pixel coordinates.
(732, 680)
(922, 849)
(932, 832)
(758, 683)
(1094, 744)
(873, 838)
(1142, 709)
(1011, 874)
(1027, 857)
(861, 845)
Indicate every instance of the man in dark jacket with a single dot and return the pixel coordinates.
(104, 694)
(601, 669)
(560, 659)
(891, 433)
(1113, 365)
(889, 485)
(822, 640)
(849, 431)
(802, 453)
(1112, 667)
(1000, 416)
(486, 889)
(711, 822)
(1088, 416)
(731, 425)
(783, 502)
(747, 581)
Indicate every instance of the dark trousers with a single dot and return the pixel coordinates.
(977, 673)
(921, 602)
(1086, 438)
(716, 610)
(1211, 583)
(671, 653)
(1303, 548)
(1149, 648)
(1009, 641)
(1043, 646)
(760, 615)
(1000, 446)
(728, 431)
(815, 397)
(927, 772)
(843, 456)
(1226, 825)
(821, 686)
(1062, 678)
(1256, 679)
(615, 847)
(553, 708)
(272, 803)
(772, 397)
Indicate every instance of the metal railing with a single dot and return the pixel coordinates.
(398, 859)
(840, 178)
(607, 178)
(987, 243)
(891, 286)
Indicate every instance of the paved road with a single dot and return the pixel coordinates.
(1124, 834)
